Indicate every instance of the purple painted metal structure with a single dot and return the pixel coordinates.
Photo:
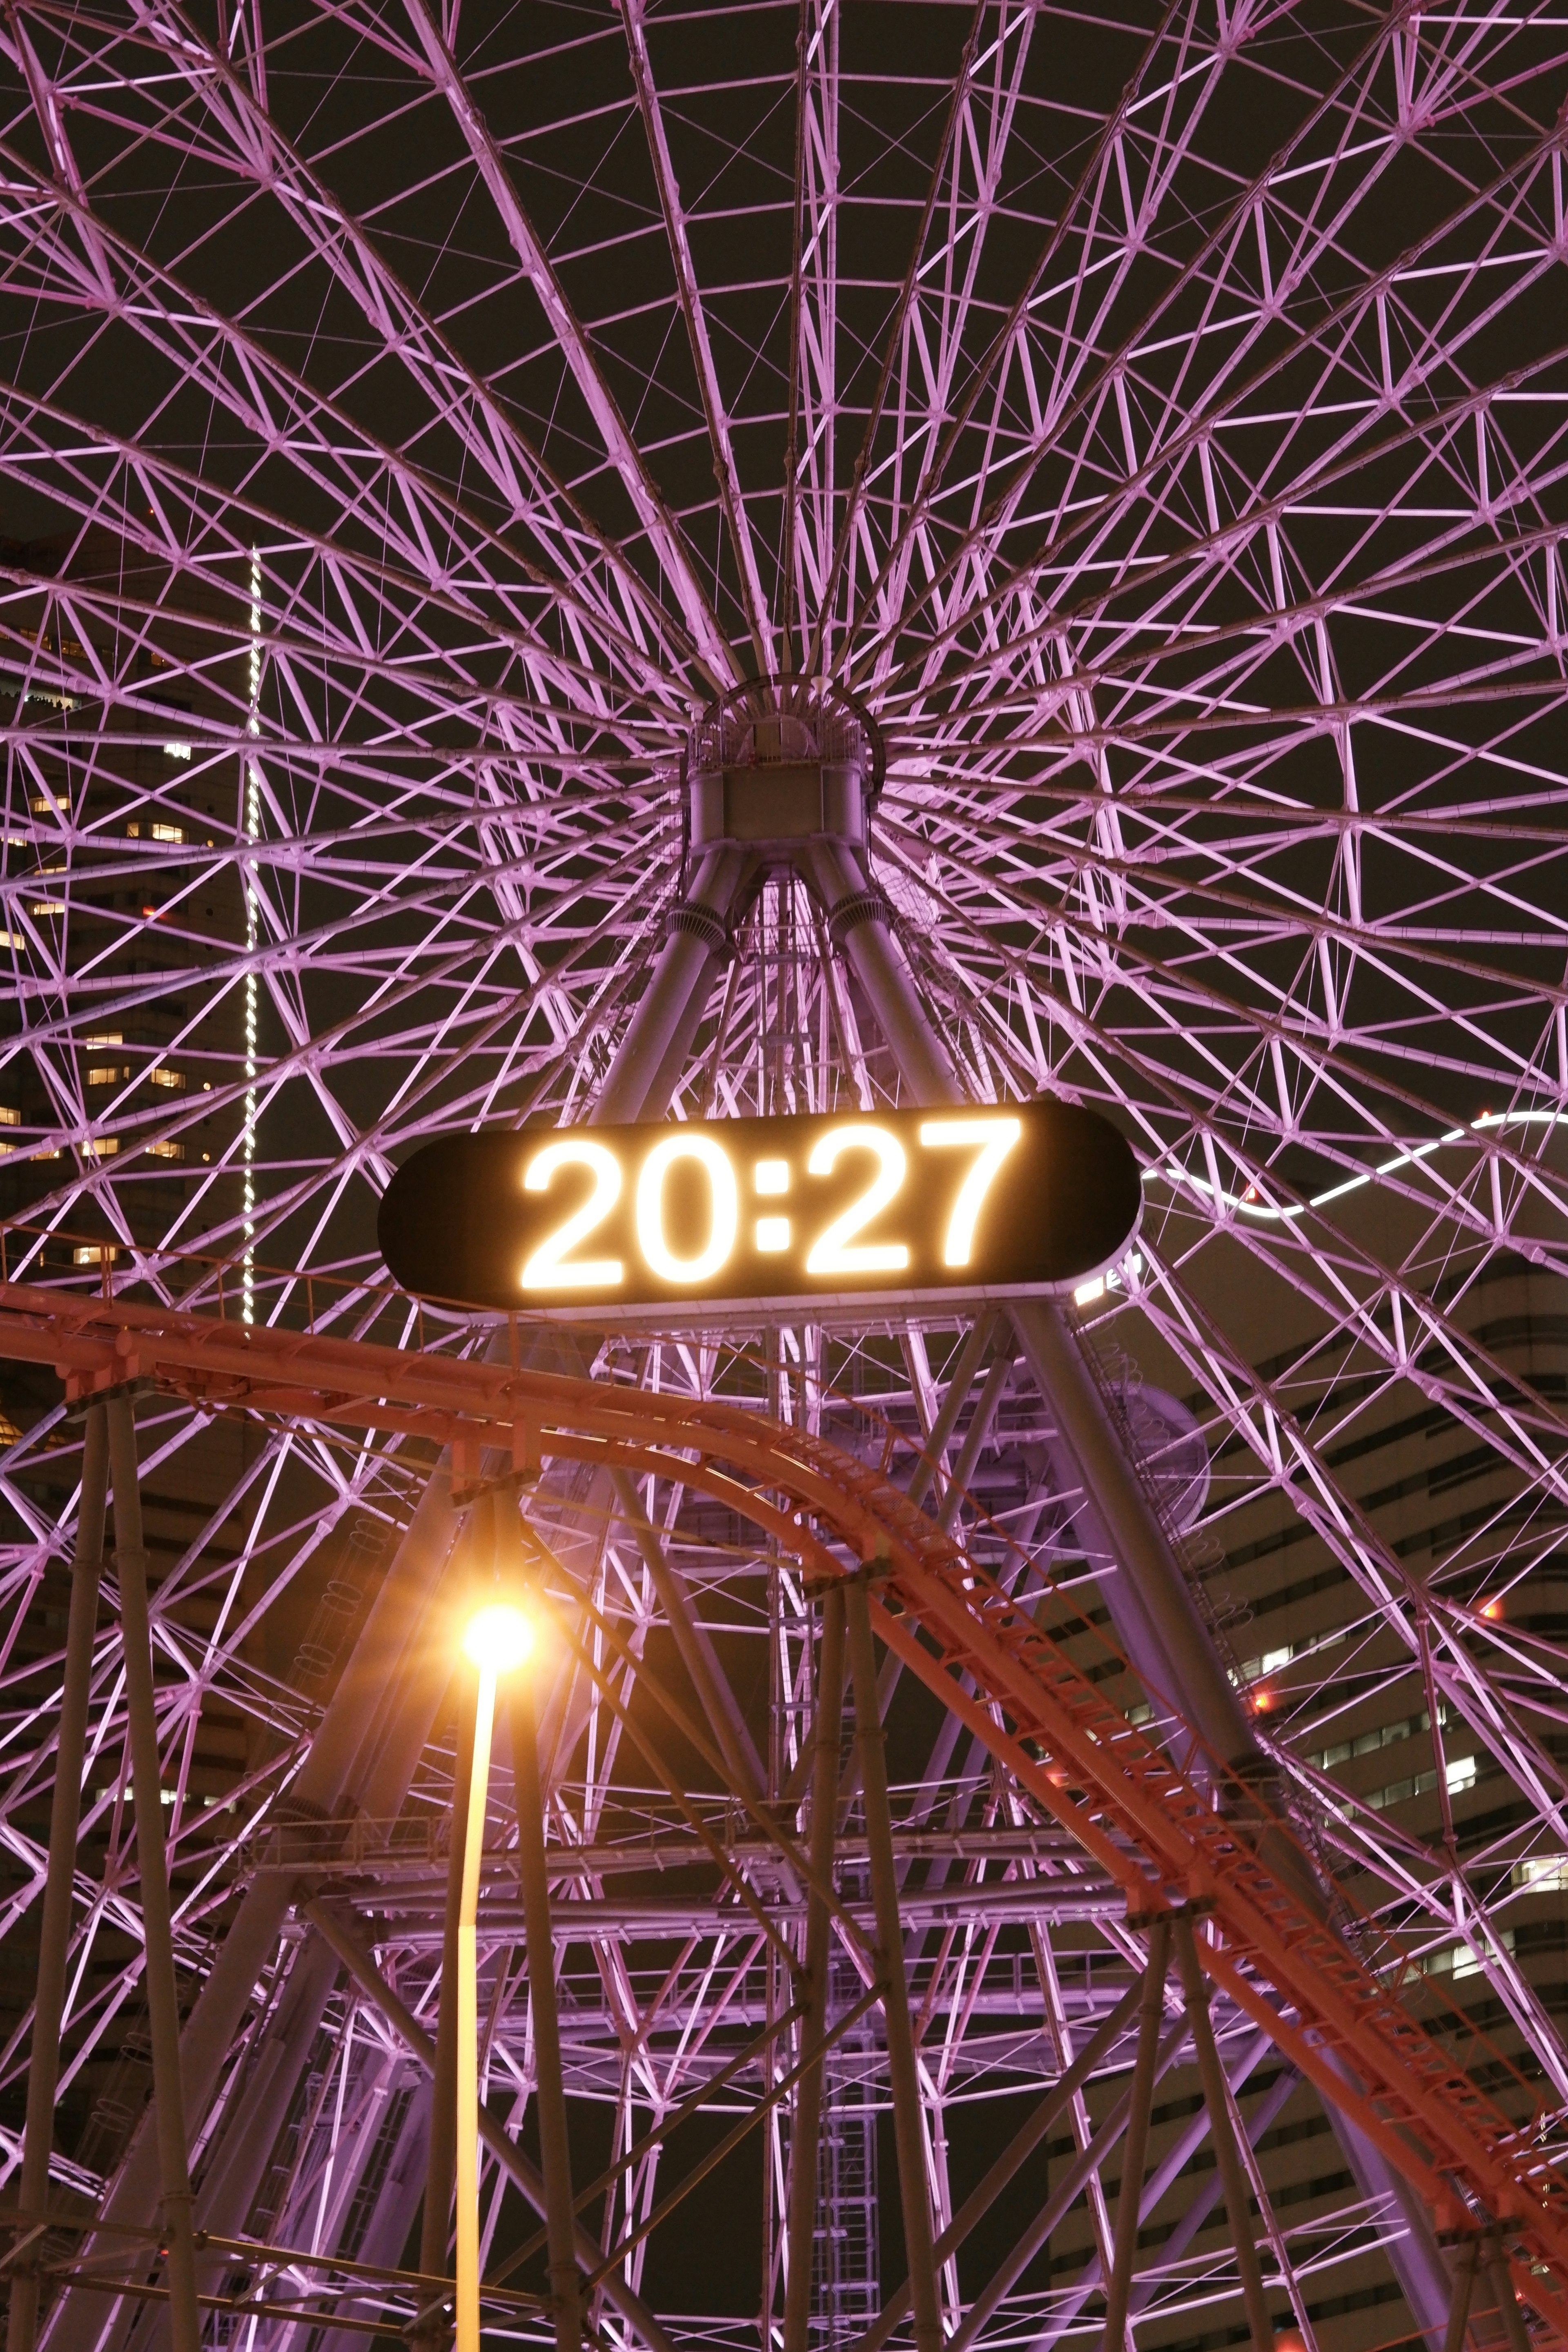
(1119, 470)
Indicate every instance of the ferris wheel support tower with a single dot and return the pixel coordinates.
(776, 800)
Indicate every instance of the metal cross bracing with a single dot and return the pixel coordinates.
(412, 424)
(1153, 1832)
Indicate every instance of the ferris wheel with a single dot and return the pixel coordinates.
(588, 566)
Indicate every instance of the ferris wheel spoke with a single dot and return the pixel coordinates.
(1213, 550)
(1219, 403)
(1240, 884)
(737, 522)
(1007, 453)
(906, 355)
(1327, 1058)
(353, 602)
(1113, 655)
(1076, 229)
(250, 144)
(711, 651)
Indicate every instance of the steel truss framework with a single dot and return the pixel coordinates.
(411, 422)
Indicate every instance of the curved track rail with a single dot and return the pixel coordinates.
(1154, 1830)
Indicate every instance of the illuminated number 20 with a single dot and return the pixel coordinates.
(550, 1269)
(651, 1237)
(836, 1250)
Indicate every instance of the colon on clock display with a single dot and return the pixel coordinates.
(1012, 1197)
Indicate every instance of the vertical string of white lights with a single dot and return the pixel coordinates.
(251, 828)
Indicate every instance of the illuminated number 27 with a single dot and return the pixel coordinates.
(996, 1138)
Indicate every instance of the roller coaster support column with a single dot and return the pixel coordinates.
(65, 1819)
(908, 2131)
(1227, 2156)
(827, 1738)
(1515, 2334)
(1464, 2269)
(151, 1861)
(1134, 2147)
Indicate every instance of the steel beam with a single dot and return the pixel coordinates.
(980, 1335)
(1238, 2202)
(1061, 2200)
(975, 1435)
(1464, 2270)
(352, 1950)
(1134, 2149)
(663, 531)
(242, 2147)
(59, 1881)
(726, 471)
(147, 1785)
(828, 1733)
(960, 1381)
(648, 1060)
(909, 2129)
(776, 2094)
(696, 1647)
(1201, 2204)
(610, 1917)
(1174, 2161)
(1500, 2277)
(1019, 2148)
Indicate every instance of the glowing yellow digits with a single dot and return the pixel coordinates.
(725, 1205)
(996, 1139)
(689, 1239)
(549, 1268)
(836, 1251)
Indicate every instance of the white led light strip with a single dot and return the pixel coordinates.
(251, 827)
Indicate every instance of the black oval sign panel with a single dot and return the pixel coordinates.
(898, 1205)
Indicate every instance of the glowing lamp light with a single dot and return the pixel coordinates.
(1292, 2340)
(1492, 1609)
(1262, 1699)
(498, 1637)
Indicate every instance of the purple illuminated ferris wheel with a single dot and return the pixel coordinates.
(590, 565)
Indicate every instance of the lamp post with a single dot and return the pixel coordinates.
(498, 1638)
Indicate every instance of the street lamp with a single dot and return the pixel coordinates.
(496, 1639)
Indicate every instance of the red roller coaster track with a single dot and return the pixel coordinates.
(1153, 1830)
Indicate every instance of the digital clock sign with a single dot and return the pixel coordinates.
(578, 1222)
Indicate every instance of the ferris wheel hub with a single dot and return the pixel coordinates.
(776, 766)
